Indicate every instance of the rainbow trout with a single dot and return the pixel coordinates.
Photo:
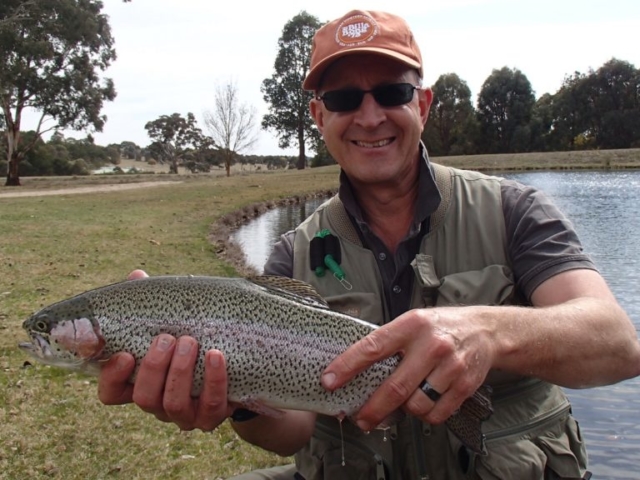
(277, 335)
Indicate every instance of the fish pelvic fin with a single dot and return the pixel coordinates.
(466, 423)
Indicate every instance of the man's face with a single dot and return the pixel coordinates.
(373, 144)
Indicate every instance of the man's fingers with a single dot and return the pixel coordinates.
(177, 400)
(113, 383)
(150, 381)
(453, 381)
(213, 408)
(394, 391)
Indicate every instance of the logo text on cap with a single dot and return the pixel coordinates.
(356, 30)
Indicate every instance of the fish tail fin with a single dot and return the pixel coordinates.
(466, 423)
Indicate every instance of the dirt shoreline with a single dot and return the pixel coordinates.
(221, 230)
(111, 187)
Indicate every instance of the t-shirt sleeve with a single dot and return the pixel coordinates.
(542, 241)
(280, 261)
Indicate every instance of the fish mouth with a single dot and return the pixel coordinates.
(39, 347)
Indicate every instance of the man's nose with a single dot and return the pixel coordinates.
(370, 114)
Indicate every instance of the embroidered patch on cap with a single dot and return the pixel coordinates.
(356, 30)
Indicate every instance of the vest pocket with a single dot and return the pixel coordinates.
(552, 453)
(493, 285)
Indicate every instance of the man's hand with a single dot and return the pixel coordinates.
(447, 346)
(163, 382)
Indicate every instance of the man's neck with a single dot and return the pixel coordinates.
(389, 210)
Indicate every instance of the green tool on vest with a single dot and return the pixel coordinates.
(324, 253)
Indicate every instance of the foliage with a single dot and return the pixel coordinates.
(323, 157)
(232, 125)
(288, 103)
(51, 53)
(505, 106)
(130, 150)
(60, 156)
(175, 138)
(612, 94)
(448, 126)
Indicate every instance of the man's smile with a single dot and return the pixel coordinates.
(376, 144)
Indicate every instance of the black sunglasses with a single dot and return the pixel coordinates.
(349, 99)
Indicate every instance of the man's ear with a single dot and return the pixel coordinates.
(425, 97)
(315, 108)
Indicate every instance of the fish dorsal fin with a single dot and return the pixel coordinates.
(295, 290)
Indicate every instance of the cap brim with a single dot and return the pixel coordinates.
(313, 78)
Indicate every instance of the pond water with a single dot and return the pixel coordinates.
(603, 207)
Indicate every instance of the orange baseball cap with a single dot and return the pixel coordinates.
(361, 31)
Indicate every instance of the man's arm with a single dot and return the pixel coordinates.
(576, 335)
(579, 337)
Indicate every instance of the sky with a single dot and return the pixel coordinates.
(173, 54)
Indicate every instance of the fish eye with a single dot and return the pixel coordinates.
(42, 324)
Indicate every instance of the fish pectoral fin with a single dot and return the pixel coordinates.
(466, 424)
(255, 405)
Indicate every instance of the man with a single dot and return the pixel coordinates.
(475, 280)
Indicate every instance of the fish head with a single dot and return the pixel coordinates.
(65, 334)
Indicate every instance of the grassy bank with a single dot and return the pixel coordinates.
(578, 160)
(52, 247)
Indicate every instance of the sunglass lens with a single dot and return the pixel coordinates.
(394, 95)
(342, 100)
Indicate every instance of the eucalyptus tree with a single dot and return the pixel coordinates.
(288, 103)
(505, 107)
(231, 125)
(175, 138)
(52, 53)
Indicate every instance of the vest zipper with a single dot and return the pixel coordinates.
(548, 417)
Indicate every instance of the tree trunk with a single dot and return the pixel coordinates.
(302, 157)
(13, 173)
(12, 134)
(227, 161)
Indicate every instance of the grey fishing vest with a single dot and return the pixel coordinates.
(462, 260)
